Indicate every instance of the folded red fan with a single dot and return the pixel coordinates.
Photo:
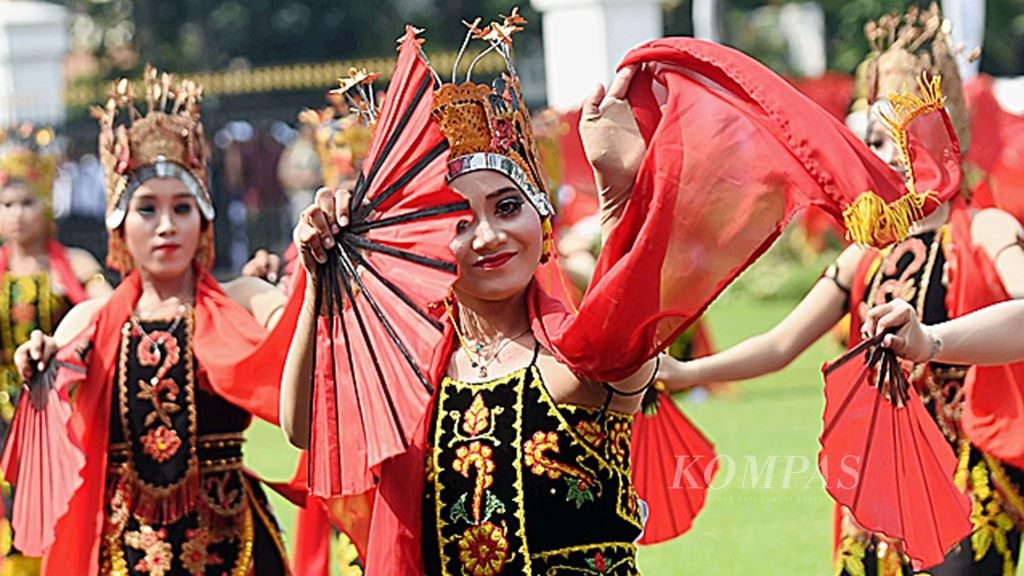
(673, 465)
(884, 458)
(41, 460)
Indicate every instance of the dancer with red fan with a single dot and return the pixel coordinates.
(942, 266)
(41, 280)
(520, 409)
(131, 459)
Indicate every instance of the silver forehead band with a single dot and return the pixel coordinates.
(508, 167)
(160, 169)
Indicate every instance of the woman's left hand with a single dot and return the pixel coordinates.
(613, 144)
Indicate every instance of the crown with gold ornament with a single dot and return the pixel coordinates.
(166, 141)
(342, 130)
(488, 125)
(28, 156)
(905, 46)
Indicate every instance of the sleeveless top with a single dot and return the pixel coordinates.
(177, 499)
(518, 484)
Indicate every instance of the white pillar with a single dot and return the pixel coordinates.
(584, 40)
(33, 46)
(968, 20)
(706, 24)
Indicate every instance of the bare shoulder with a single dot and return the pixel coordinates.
(994, 230)
(83, 265)
(261, 298)
(78, 319)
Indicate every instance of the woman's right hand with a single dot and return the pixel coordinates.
(908, 338)
(32, 357)
(676, 375)
(318, 224)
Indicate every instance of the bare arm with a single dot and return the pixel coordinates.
(987, 337)
(263, 300)
(33, 355)
(88, 271)
(999, 234)
(314, 236)
(613, 145)
(818, 312)
(296, 381)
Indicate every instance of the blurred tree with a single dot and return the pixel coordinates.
(1002, 54)
(190, 35)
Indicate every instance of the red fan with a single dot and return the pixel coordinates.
(376, 335)
(883, 457)
(673, 465)
(41, 461)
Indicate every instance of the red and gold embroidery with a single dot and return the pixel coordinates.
(581, 485)
(161, 443)
(483, 550)
(157, 553)
(195, 555)
(591, 432)
(479, 458)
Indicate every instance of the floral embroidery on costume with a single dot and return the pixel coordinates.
(512, 477)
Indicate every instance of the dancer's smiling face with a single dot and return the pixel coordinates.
(498, 246)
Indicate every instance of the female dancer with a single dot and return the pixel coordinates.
(164, 394)
(527, 436)
(935, 268)
(41, 279)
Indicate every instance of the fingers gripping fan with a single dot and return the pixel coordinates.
(883, 457)
(375, 331)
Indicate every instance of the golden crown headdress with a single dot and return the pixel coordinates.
(342, 130)
(905, 46)
(488, 126)
(28, 156)
(166, 141)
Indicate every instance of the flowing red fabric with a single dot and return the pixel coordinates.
(889, 464)
(993, 413)
(372, 375)
(59, 266)
(832, 91)
(673, 466)
(997, 150)
(733, 151)
(315, 522)
(242, 363)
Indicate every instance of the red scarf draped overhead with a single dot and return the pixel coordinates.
(59, 267)
(242, 360)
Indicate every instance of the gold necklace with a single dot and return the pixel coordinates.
(476, 358)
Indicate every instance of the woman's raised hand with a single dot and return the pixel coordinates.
(908, 338)
(318, 224)
(33, 356)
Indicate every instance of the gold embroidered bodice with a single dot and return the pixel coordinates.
(517, 484)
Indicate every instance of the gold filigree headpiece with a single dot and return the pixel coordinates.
(28, 156)
(488, 125)
(905, 46)
(164, 142)
(342, 130)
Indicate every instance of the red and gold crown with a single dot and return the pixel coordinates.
(165, 142)
(905, 46)
(488, 126)
(28, 156)
(342, 130)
